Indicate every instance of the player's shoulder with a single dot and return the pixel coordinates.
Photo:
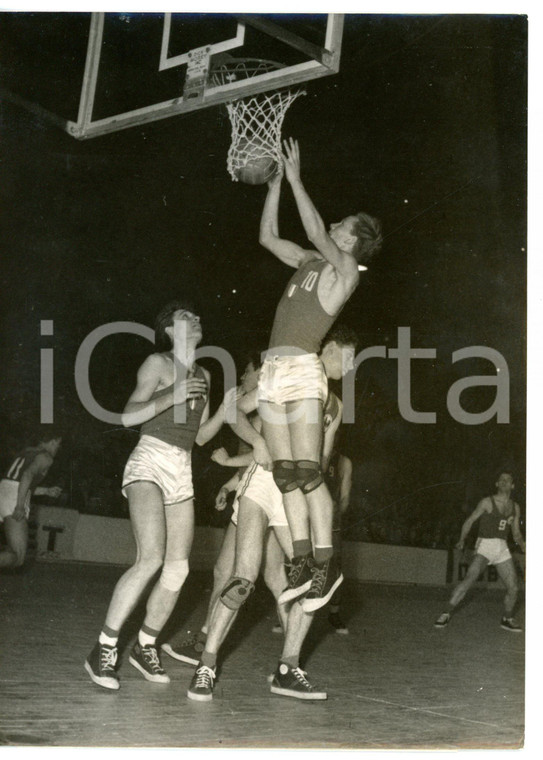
(486, 503)
(42, 459)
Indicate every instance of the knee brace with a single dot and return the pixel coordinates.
(308, 475)
(236, 592)
(284, 474)
(174, 573)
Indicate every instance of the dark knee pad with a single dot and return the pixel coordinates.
(308, 475)
(236, 592)
(285, 475)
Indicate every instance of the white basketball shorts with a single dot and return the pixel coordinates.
(292, 378)
(161, 463)
(258, 485)
(495, 550)
(9, 490)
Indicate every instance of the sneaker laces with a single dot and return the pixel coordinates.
(301, 677)
(151, 657)
(204, 677)
(108, 657)
(319, 577)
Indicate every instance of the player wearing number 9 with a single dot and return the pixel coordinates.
(497, 515)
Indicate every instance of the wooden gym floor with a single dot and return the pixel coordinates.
(393, 682)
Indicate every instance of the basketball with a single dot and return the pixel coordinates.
(259, 167)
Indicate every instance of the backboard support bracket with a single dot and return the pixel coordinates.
(198, 91)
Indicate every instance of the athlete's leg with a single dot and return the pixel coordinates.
(149, 526)
(13, 555)
(275, 430)
(222, 571)
(273, 570)
(306, 432)
(252, 525)
(189, 648)
(508, 574)
(475, 569)
(179, 536)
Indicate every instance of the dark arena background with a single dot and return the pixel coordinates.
(425, 127)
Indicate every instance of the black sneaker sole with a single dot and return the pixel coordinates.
(180, 657)
(293, 593)
(106, 682)
(149, 676)
(314, 603)
(308, 695)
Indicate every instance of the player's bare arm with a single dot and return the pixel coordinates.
(222, 457)
(288, 252)
(515, 529)
(485, 505)
(210, 426)
(156, 374)
(243, 428)
(345, 265)
(230, 485)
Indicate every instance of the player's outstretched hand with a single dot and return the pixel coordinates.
(291, 159)
(54, 492)
(278, 176)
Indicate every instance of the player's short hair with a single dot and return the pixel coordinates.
(369, 239)
(164, 319)
(342, 335)
(504, 471)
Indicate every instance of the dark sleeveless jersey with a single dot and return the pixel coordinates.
(300, 321)
(165, 428)
(494, 524)
(21, 463)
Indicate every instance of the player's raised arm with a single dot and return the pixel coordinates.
(345, 265)
(288, 252)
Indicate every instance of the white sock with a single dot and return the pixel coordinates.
(145, 640)
(109, 640)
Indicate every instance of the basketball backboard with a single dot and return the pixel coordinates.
(96, 73)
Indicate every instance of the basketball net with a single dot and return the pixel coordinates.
(256, 120)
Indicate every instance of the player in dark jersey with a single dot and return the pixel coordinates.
(157, 481)
(260, 506)
(339, 480)
(293, 386)
(21, 480)
(498, 515)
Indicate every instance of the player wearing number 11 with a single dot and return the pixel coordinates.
(292, 385)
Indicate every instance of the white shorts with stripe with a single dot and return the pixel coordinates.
(495, 550)
(158, 462)
(258, 485)
(292, 378)
(9, 490)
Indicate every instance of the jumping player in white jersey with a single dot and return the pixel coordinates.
(260, 507)
(292, 386)
(171, 403)
(20, 481)
(497, 515)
